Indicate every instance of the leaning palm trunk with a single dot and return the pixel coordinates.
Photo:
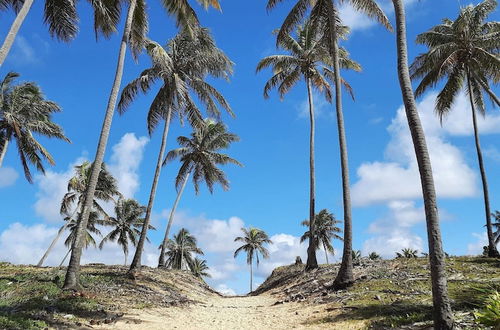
(311, 249)
(64, 259)
(345, 276)
(14, 28)
(3, 151)
(326, 253)
(126, 257)
(72, 275)
(251, 275)
(443, 317)
(136, 262)
(161, 260)
(51, 246)
(492, 250)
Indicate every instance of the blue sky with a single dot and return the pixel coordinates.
(271, 190)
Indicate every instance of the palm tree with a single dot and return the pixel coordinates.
(183, 66)
(199, 268)
(126, 223)
(326, 229)
(72, 223)
(374, 256)
(199, 155)
(308, 59)
(324, 14)
(23, 112)
(106, 190)
(62, 19)
(464, 52)
(407, 253)
(254, 240)
(496, 225)
(180, 250)
(443, 317)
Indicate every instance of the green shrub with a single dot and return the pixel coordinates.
(490, 314)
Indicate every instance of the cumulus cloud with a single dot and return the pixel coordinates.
(397, 177)
(283, 251)
(476, 248)
(124, 165)
(24, 244)
(225, 290)
(392, 232)
(125, 161)
(8, 176)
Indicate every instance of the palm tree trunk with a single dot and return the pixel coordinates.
(72, 275)
(14, 28)
(64, 259)
(489, 92)
(126, 257)
(51, 246)
(136, 262)
(326, 253)
(345, 276)
(311, 249)
(251, 275)
(3, 151)
(492, 250)
(443, 317)
(161, 260)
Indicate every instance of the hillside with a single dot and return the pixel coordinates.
(387, 294)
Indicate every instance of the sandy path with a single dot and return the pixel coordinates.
(229, 313)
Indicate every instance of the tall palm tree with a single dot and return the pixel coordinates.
(200, 155)
(324, 13)
(24, 111)
(443, 317)
(496, 225)
(253, 243)
(199, 268)
(125, 224)
(72, 202)
(464, 52)
(62, 19)
(72, 224)
(180, 250)
(325, 229)
(309, 59)
(183, 65)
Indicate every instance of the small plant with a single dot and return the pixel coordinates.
(490, 314)
(407, 253)
(356, 255)
(374, 256)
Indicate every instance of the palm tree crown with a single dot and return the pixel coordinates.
(23, 112)
(180, 250)
(199, 155)
(199, 268)
(325, 230)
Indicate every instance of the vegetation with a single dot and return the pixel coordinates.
(374, 256)
(489, 315)
(407, 253)
(180, 251)
(254, 240)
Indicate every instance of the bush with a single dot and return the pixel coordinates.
(490, 314)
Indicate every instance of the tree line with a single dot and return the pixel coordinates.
(463, 53)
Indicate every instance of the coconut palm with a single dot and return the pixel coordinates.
(72, 202)
(443, 317)
(407, 253)
(183, 65)
(24, 111)
(374, 256)
(125, 224)
(308, 59)
(464, 53)
(72, 224)
(199, 268)
(200, 156)
(253, 244)
(326, 229)
(324, 14)
(496, 225)
(180, 250)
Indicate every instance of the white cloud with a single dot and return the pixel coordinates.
(124, 164)
(397, 178)
(225, 290)
(476, 248)
(492, 153)
(321, 107)
(23, 51)
(8, 176)
(125, 161)
(283, 251)
(24, 244)
(393, 232)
